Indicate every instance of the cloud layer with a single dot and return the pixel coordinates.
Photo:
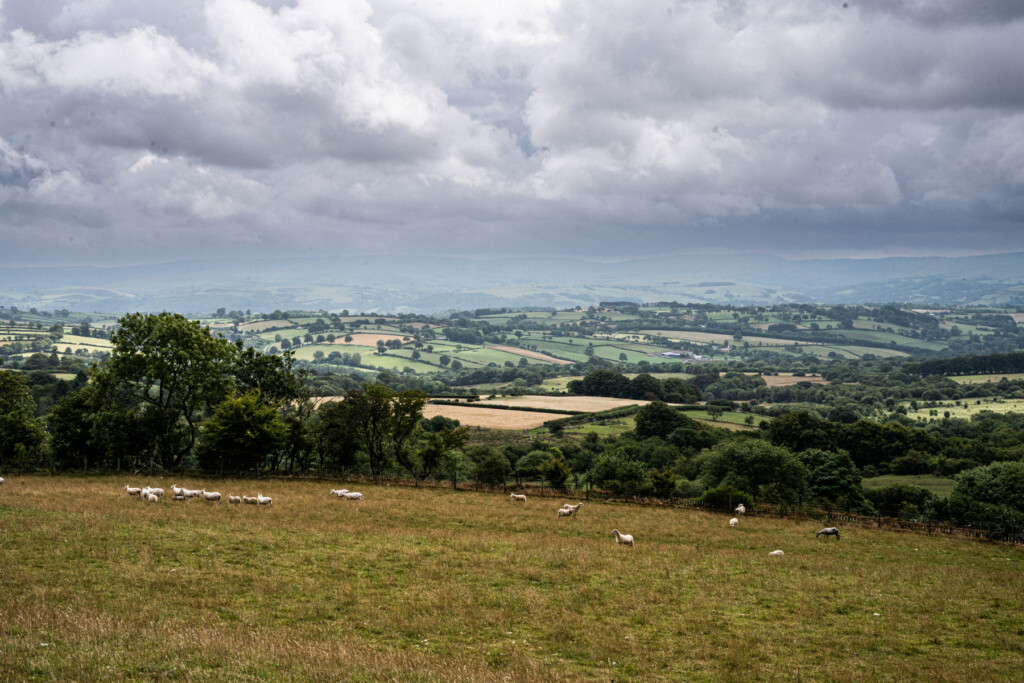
(152, 131)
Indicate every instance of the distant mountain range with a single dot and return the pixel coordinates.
(396, 284)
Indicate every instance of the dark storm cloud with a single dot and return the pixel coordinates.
(605, 128)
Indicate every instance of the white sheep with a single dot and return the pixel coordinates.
(153, 498)
(776, 553)
(339, 492)
(190, 493)
(234, 500)
(733, 521)
(574, 508)
(177, 490)
(249, 501)
(158, 492)
(210, 495)
(518, 497)
(2, 481)
(565, 512)
(263, 500)
(623, 539)
(740, 510)
(352, 495)
(132, 491)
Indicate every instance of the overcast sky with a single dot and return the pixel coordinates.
(133, 130)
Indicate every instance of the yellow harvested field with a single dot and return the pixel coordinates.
(786, 379)
(366, 339)
(490, 418)
(585, 404)
(530, 354)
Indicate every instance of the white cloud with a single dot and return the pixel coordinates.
(509, 126)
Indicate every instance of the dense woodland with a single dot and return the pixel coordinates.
(244, 393)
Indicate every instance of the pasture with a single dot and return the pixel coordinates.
(429, 584)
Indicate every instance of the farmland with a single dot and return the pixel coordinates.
(313, 586)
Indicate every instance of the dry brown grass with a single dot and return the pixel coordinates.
(262, 325)
(428, 585)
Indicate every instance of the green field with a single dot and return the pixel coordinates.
(982, 379)
(425, 584)
(940, 486)
(973, 407)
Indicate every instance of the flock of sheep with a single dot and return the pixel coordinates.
(153, 495)
(627, 539)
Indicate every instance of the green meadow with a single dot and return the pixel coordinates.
(424, 584)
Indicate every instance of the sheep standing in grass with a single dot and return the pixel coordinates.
(565, 512)
(177, 490)
(518, 497)
(153, 498)
(190, 493)
(132, 491)
(828, 531)
(2, 481)
(339, 492)
(159, 493)
(572, 508)
(210, 495)
(352, 495)
(740, 510)
(234, 500)
(733, 522)
(623, 539)
(249, 501)
(263, 500)
(776, 553)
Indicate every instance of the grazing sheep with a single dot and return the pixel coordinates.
(776, 553)
(263, 500)
(132, 491)
(191, 493)
(733, 521)
(518, 497)
(565, 512)
(234, 500)
(339, 492)
(828, 531)
(352, 495)
(740, 510)
(210, 495)
(623, 539)
(159, 492)
(574, 508)
(249, 501)
(153, 498)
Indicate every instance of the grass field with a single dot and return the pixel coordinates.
(974, 406)
(490, 418)
(940, 486)
(426, 584)
(982, 379)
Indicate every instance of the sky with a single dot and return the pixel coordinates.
(139, 131)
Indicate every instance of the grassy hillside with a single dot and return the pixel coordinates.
(427, 584)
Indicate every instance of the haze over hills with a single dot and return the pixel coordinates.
(427, 284)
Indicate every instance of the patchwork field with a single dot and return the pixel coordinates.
(515, 350)
(489, 418)
(585, 404)
(430, 585)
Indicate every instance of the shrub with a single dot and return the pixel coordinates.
(727, 497)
